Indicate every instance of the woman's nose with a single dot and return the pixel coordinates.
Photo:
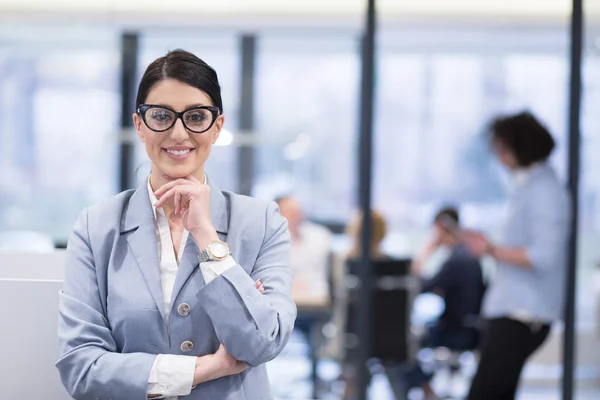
(179, 133)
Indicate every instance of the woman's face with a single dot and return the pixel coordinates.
(505, 155)
(177, 152)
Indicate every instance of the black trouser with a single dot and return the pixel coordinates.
(507, 344)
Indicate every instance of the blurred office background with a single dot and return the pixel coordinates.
(443, 69)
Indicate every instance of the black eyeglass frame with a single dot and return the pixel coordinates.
(214, 111)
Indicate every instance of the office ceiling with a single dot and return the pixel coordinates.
(260, 13)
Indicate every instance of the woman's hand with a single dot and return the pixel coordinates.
(215, 366)
(428, 250)
(191, 199)
(477, 243)
(259, 286)
(220, 364)
(227, 364)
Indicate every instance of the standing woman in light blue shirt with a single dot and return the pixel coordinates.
(526, 294)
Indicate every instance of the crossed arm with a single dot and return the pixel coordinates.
(91, 366)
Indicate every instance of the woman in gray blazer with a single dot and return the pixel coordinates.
(175, 288)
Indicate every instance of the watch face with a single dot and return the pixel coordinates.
(218, 250)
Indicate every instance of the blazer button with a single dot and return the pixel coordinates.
(184, 309)
(187, 346)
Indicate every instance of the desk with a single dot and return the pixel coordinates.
(317, 308)
(29, 286)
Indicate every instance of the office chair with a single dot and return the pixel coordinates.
(392, 342)
(451, 358)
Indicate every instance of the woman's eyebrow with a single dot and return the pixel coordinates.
(197, 105)
(162, 105)
(185, 108)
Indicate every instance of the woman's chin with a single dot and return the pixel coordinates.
(178, 172)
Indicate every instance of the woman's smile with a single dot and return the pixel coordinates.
(178, 153)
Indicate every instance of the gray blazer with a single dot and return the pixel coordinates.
(111, 312)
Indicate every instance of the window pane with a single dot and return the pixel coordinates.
(588, 257)
(307, 122)
(58, 124)
(220, 51)
(433, 103)
(437, 90)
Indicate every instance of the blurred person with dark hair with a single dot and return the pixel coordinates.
(155, 303)
(309, 258)
(459, 281)
(526, 294)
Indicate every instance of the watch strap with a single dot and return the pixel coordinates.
(204, 256)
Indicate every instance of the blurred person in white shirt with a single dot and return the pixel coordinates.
(310, 257)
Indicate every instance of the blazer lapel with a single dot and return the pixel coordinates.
(142, 241)
(188, 262)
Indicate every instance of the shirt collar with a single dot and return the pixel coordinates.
(523, 175)
(153, 199)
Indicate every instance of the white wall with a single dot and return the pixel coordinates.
(25, 265)
(29, 286)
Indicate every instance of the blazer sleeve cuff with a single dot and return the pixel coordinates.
(212, 269)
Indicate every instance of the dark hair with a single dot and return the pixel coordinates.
(524, 136)
(184, 67)
(447, 212)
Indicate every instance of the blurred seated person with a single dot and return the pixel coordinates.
(341, 346)
(310, 256)
(378, 232)
(340, 262)
(459, 282)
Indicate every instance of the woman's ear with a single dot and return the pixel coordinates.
(218, 127)
(137, 124)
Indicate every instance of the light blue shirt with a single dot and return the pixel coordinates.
(538, 221)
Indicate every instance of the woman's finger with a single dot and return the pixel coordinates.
(259, 286)
(184, 190)
(171, 193)
(177, 201)
(164, 198)
(193, 179)
(167, 186)
(240, 367)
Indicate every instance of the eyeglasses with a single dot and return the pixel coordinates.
(161, 119)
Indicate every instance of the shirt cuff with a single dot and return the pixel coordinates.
(212, 269)
(172, 375)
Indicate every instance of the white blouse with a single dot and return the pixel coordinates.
(172, 375)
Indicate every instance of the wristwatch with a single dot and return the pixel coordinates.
(215, 251)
